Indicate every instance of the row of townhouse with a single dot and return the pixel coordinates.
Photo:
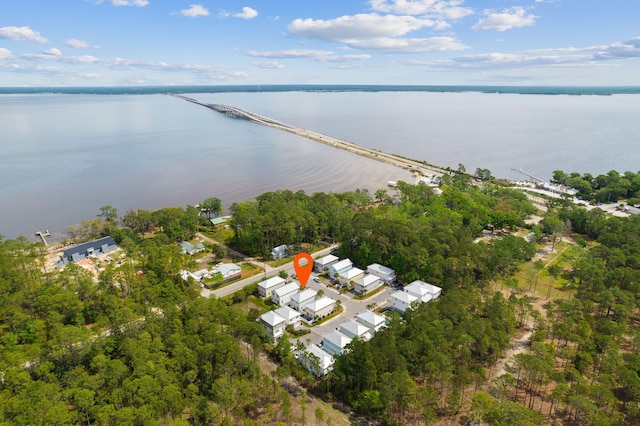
(343, 270)
(416, 292)
(276, 321)
(319, 359)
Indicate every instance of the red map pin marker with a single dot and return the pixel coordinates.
(303, 271)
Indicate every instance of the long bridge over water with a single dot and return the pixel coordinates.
(417, 167)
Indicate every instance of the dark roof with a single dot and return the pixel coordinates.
(91, 244)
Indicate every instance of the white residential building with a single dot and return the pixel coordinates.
(282, 295)
(353, 329)
(266, 288)
(316, 360)
(419, 292)
(433, 290)
(291, 316)
(301, 299)
(274, 324)
(401, 301)
(349, 275)
(367, 283)
(319, 308)
(339, 267)
(188, 274)
(386, 274)
(335, 342)
(319, 265)
(371, 320)
(228, 270)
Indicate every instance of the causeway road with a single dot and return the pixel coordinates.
(417, 167)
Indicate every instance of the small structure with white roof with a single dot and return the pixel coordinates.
(423, 290)
(266, 288)
(401, 301)
(319, 265)
(353, 329)
(367, 283)
(316, 360)
(228, 270)
(350, 275)
(340, 267)
(334, 343)
(291, 316)
(371, 320)
(282, 295)
(319, 308)
(274, 324)
(386, 274)
(301, 299)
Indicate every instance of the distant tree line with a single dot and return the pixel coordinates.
(604, 188)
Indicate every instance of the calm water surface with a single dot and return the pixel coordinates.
(64, 156)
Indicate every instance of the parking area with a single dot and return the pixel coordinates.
(350, 307)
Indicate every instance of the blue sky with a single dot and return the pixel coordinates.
(421, 42)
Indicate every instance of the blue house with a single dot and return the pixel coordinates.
(83, 251)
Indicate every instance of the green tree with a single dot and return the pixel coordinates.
(212, 207)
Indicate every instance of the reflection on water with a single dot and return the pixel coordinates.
(64, 156)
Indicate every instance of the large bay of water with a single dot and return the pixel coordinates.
(63, 156)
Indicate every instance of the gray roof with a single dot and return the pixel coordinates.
(82, 248)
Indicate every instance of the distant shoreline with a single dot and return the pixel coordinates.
(269, 88)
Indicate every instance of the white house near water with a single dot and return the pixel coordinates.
(282, 295)
(266, 288)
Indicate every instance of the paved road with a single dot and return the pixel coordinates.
(350, 307)
(238, 285)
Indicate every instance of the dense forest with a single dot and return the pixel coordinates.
(136, 344)
(604, 188)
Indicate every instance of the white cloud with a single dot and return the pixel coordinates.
(5, 54)
(139, 3)
(442, 9)
(79, 44)
(561, 57)
(53, 51)
(21, 33)
(316, 55)
(52, 56)
(409, 45)
(360, 26)
(194, 11)
(374, 32)
(269, 65)
(514, 17)
(247, 13)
